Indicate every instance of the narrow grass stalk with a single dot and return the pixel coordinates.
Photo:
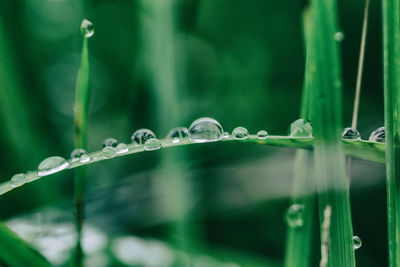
(330, 168)
(81, 129)
(391, 64)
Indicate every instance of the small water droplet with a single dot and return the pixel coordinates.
(226, 135)
(18, 180)
(294, 216)
(351, 134)
(84, 158)
(357, 242)
(110, 142)
(205, 130)
(87, 29)
(301, 128)
(378, 135)
(339, 36)
(152, 144)
(240, 133)
(177, 134)
(262, 134)
(141, 136)
(76, 154)
(52, 165)
(108, 152)
(122, 148)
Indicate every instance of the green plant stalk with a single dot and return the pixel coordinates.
(329, 158)
(81, 129)
(391, 66)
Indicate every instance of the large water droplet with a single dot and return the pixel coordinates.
(294, 215)
(351, 134)
(205, 130)
(378, 135)
(301, 128)
(177, 134)
(76, 154)
(18, 180)
(84, 158)
(122, 148)
(152, 144)
(108, 152)
(52, 165)
(262, 134)
(357, 242)
(339, 36)
(110, 142)
(87, 29)
(240, 133)
(141, 136)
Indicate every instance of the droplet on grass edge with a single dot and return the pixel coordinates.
(205, 130)
(301, 128)
(240, 133)
(87, 29)
(140, 136)
(152, 144)
(52, 165)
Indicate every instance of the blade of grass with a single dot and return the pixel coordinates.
(330, 169)
(391, 65)
(16, 252)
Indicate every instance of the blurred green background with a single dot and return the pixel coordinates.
(160, 64)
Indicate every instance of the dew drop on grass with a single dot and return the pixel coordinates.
(351, 134)
(378, 135)
(121, 148)
(294, 216)
(84, 158)
(141, 136)
(301, 128)
(152, 144)
(226, 135)
(110, 142)
(205, 130)
(339, 36)
(357, 242)
(18, 180)
(76, 154)
(262, 134)
(108, 152)
(52, 165)
(240, 133)
(177, 134)
(87, 29)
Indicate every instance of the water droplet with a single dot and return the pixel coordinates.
(152, 144)
(84, 158)
(52, 165)
(122, 148)
(378, 135)
(108, 152)
(294, 215)
(226, 135)
(357, 242)
(339, 36)
(76, 154)
(110, 142)
(351, 134)
(141, 136)
(240, 133)
(18, 180)
(262, 134)
(87, 29)
(205, 130)
(177, 134)
(301, 128)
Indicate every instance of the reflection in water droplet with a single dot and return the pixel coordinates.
(76, 154)
(226, 135)
(351, 134)
(152, 144)
(339, 36)
(110, 142)
(262, 134)
(378, 135)
(122, 148)
(240, 133)
(18, 180)
(52, 165)
(84, 158)
(205, 130)
(141, 136)
(108, 152)
(357, 242)
(177, 134)
(294, 215)
(301, 128)
(87, 29)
